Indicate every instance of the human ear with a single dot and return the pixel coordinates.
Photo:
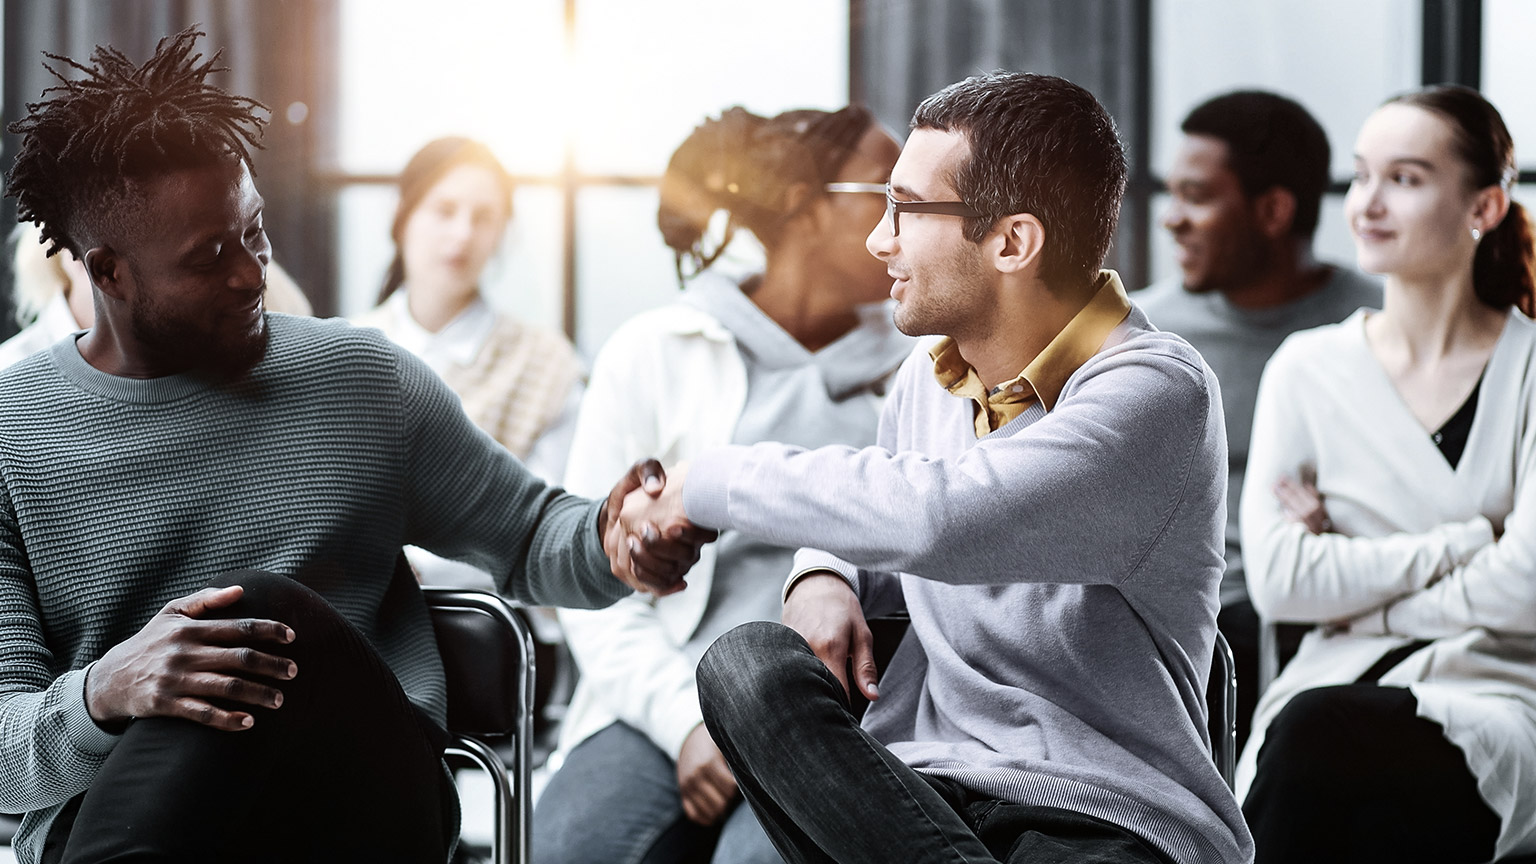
(1018, 240)
(105, 268)
(1275, 212)
(1489, 208)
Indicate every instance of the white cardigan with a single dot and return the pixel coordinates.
(638, 405)
(1414, 555)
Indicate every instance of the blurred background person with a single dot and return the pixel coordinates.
(518, 382)
(1244, 192)
(1391, 499)
(54, 299)
(801, 352)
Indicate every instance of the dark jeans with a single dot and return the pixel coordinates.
(615, 801)
(1351, 773)
(825, 791)
(346, 770)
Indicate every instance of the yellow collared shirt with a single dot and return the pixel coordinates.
(1044, 377)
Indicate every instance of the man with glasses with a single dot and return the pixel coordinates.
(1045, 497)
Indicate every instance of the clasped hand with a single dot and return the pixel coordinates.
(651, 545)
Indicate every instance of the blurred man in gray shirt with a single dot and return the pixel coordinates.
(1246, 185)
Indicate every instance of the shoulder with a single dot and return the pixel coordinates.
(1353, 288)
(1164, 294)
(303, 345)
(667, 329)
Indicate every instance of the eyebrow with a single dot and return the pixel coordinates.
(1415, 161)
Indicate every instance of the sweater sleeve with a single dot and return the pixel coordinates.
(1294, 575)
(469, 499)
(1056, 488)
(50, 748)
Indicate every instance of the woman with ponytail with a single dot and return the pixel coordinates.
(1392, 503)
(800, 352)
(519, 383)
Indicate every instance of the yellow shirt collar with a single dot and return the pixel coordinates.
(1044, 377)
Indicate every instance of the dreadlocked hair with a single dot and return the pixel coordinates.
(88, 141)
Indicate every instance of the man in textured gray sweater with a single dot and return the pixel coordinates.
(154, 705)
(1046, 496)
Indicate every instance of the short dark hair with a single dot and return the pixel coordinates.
(1040, 145)
(1271, 141)
(89, 140)
(746, 165)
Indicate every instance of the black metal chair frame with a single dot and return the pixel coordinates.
(487, 653)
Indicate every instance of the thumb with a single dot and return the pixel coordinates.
(201, 603)
(652, 478)
(862, 659)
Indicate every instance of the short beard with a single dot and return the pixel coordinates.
(183, 348)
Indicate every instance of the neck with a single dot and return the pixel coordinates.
(1431, 318)
(805, 301)
(432, 307)
(1294, 273)
(1027, 319)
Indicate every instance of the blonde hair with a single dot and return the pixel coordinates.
(39, 277)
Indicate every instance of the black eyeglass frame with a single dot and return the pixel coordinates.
(894, 209)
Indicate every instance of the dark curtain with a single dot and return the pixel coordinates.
(904, 50)
(281, 52)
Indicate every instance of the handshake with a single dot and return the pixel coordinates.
(649, 541)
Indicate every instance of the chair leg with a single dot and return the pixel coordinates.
(509, 835)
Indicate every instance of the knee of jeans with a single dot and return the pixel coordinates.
(270, 595)
(750, 663)
(1315, 729)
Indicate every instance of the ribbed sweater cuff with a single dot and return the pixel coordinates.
(706, 495)
(79, 728)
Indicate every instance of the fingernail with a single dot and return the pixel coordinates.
(653, 484)
(874, 692)
(290, 634)
(277, 701)
(634, 546)
(293, 670)
(649, 533)
(247, 721)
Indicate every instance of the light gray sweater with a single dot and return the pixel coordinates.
(118, 495)
(1061, 575)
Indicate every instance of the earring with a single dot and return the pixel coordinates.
(1476, 235)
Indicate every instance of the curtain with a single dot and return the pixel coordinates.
(280, 52)
(906, 49)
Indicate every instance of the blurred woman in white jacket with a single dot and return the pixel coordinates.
(1391, 500)
(799, 353)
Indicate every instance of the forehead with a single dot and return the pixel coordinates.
(200, 199)
(1203, 155)
(469, 182)
(928, 162)
(876, 152)
(1399, 131)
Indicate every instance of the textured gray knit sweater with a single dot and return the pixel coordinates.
(1061, 574)
(118, 495)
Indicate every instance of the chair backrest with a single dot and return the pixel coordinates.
(487, 653)
(1223, 725)
(487, 660)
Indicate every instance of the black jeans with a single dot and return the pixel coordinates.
(346, 770)
(825, 791)
(1350, 773)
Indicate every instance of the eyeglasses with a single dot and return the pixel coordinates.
(894, 209)
(843, 186)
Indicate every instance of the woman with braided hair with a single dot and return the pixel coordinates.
(800, 352)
